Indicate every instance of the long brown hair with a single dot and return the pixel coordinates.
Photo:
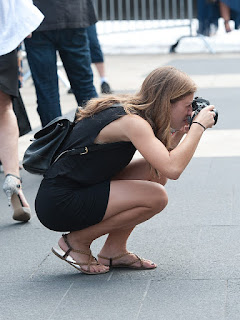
(163, 86)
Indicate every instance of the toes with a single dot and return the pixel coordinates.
(99, 269)
(96, 268)
(149, 264)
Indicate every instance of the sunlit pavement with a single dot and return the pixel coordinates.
(194, 241)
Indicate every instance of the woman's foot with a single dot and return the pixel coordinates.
(13, 189)
(125, 260)
(23, 199)
(82, 256)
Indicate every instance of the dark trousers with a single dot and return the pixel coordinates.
(95, 48)
(73, 48)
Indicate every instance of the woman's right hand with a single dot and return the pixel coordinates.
(206, 116)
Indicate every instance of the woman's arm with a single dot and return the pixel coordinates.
(177, 136)
(169, 164)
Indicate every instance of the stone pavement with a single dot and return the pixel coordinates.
(195, 241)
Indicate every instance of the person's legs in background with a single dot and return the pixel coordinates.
(97, 57)
(225, 14)
(41, 55)
(75, 54)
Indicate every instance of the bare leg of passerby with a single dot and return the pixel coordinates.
(9, 134)
(225, 14)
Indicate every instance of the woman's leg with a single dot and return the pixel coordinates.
(9, 134)
(137, 170)
(131, 202)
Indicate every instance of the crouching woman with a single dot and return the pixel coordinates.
(105, 191)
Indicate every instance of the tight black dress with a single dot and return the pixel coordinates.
(74, 192)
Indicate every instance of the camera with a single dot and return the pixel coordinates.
(197, 105)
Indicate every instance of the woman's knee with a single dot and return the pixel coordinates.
(158, 199)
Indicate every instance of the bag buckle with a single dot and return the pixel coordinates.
(85, 152)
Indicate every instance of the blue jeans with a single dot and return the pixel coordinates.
(95, 48)
(73, 48)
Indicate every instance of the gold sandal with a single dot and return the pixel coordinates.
(78, 265)
(129, 265)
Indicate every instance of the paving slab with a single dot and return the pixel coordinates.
(185, 300)
(194, 241)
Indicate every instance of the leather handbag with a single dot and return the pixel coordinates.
(44, 149)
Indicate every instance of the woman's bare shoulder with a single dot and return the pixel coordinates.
(134, 120)
(133, 124)
(127, 128)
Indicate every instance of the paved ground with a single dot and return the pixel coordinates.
(195, 241)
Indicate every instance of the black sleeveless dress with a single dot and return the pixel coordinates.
(74, 192)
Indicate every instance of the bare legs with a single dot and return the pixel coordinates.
(131, 202)
(9, 134)
(225, 14)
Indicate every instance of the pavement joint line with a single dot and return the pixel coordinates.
(59, 302)
(40, 264)
(110, 275)
(143, 298)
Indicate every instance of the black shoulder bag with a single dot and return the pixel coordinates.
(43, 151)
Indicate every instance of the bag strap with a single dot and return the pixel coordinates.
(80, 151)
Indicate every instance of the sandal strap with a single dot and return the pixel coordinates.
(91, 259)
(89, 263)
(13, 175)
(71, 249)
(122, 255)
(138, 259)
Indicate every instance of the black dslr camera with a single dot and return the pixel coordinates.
(197, 105)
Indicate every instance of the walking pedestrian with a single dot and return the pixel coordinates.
(63, 30)
(23, 16)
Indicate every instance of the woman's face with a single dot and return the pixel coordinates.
(180, 111)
